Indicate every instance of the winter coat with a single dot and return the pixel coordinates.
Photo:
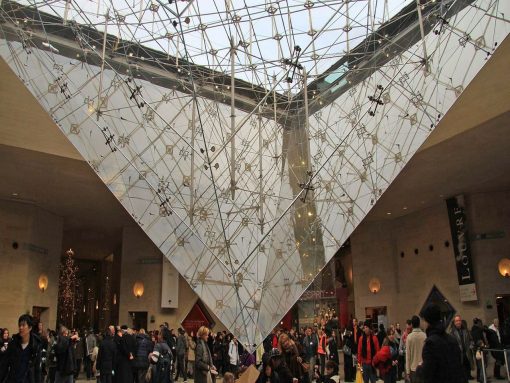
(203, 361)
(191, 349)
(107, 356)
(66, 360)
(382, 360)
(143, 349)
(441, 357)
(468, 341)
(11, 360)
(181, 346)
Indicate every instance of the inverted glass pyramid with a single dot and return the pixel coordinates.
(248, 140)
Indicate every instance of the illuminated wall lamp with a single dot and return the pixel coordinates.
(43, 282)
(504, 267)
(374, 285)
(138, 289)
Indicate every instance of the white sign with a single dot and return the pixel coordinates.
(468, 292)
(169, 286)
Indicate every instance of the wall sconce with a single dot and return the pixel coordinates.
(43, 282)
(138, 289)
(374, 285)
(504, 267)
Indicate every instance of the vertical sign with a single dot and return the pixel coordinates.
(461, 248)
(169, 285)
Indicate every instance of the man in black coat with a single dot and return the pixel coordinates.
(441, 354)
(22, 360)
(66, 361)
(106, 357)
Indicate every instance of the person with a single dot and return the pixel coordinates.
(233, 356)
(368, 346)
(191, 354)
(386, 360)
(228, 377)
(349, 351)
(106, 356)
(494, 339)
(310, 346)
(330, 373)
(279, 366)
(321, 350)
(203, 359)
(290, 355)
(218, 352)
(478, 333)
(181, 348)
(141, 362)
(22, 359)
(465, 342)
(4, 339)
(381, 334)
(66, 360)
(414, 346)
(402, 349)
(332, 347)
(267, 374)
(51, 359)
(79, 349)
(90, 343)
(441, 353)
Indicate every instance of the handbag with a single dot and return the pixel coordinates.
(148, 375)
(347, 350)
(359, 377)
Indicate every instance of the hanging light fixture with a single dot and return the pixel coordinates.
(504, 267)
(374, 285)
(43, 282)
(138, 289)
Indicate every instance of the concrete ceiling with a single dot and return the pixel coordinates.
(467, 153)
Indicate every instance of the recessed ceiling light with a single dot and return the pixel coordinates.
(389, 213)
(405, 208)
(441, 196)
(15, 194)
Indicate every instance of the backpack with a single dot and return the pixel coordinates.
(163, 369)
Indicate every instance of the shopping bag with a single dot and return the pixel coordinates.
(359, 377)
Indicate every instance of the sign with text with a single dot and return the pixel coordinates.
(461, 248)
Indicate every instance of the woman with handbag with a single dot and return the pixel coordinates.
(203, 360)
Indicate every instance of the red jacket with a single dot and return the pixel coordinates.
(382, 360)
(368, 359)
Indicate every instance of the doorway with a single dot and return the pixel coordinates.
(503, 307)
(138, 319)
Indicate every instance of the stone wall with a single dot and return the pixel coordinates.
(387, 250)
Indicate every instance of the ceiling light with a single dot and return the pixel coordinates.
(15, 194)
(388, 213)
(405, 208)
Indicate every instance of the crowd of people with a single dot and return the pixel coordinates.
(126, 355)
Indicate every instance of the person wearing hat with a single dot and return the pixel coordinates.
(414, 347)
(441, 353)
(368, 346)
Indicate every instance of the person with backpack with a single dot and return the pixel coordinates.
(161, 359)
(66, 361)
(22, 359)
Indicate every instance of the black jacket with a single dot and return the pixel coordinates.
(66, 360)
(11, 362)
(441, 357)
(106, 356)
(144, 347)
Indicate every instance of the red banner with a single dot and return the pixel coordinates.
(195, 319)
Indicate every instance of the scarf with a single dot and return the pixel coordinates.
(364, 347)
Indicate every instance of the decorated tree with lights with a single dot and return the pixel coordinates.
(67, 289)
